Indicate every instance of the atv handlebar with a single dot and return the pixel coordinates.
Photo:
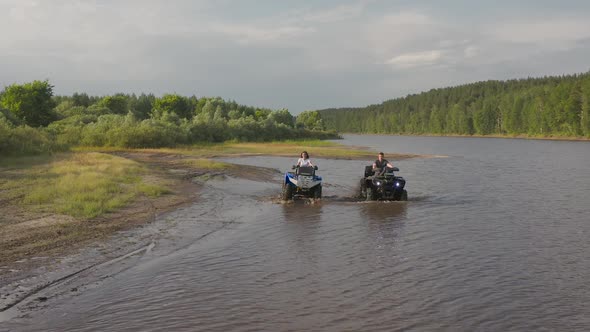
(383, 170)
(296, 167)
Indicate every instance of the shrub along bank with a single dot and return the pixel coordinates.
(34, 121)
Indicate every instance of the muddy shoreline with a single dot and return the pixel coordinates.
(25, 226)
(26, 272)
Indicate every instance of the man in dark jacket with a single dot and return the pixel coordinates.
(381, 163)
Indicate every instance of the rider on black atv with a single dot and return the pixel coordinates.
(380, 183)
(380, 165)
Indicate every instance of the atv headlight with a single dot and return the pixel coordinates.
(397, 184)
(378, 183)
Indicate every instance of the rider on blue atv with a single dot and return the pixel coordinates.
(303, 182)
(304, 160)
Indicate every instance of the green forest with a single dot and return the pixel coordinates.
(33, 120)
(556, 106)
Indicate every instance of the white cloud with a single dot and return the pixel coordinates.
(471, 51)
(399, 32)
(552, 32)
(250, 33)
(417, 59)
(338, 13)
(407, 18)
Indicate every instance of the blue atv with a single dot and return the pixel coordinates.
(383, 184)
(302, 183)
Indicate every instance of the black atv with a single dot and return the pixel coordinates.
(383, 185)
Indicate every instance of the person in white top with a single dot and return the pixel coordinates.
(304, 160)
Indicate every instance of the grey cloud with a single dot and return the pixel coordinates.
(301, 57)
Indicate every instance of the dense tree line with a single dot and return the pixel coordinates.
(548, 106)
(33, 120)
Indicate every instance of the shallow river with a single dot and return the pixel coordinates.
(495, 237)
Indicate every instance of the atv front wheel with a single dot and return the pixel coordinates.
(317, 193)
(363, 190)
(404, 196)
(287, 193)
(370, 195)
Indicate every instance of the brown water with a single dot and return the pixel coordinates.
(494, 238)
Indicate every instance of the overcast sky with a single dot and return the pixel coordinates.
(288, 54)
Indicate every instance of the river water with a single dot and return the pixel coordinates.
(494, 237)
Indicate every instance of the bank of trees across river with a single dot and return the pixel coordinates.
(33, 120)
(548, 106)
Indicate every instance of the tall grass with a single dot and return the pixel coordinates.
(316, 148)
(83, 185)
(291, 148)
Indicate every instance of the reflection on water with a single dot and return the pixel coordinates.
(384, 212)
(302, 211)
(302, 232)
(384, 219)
(492, 239)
